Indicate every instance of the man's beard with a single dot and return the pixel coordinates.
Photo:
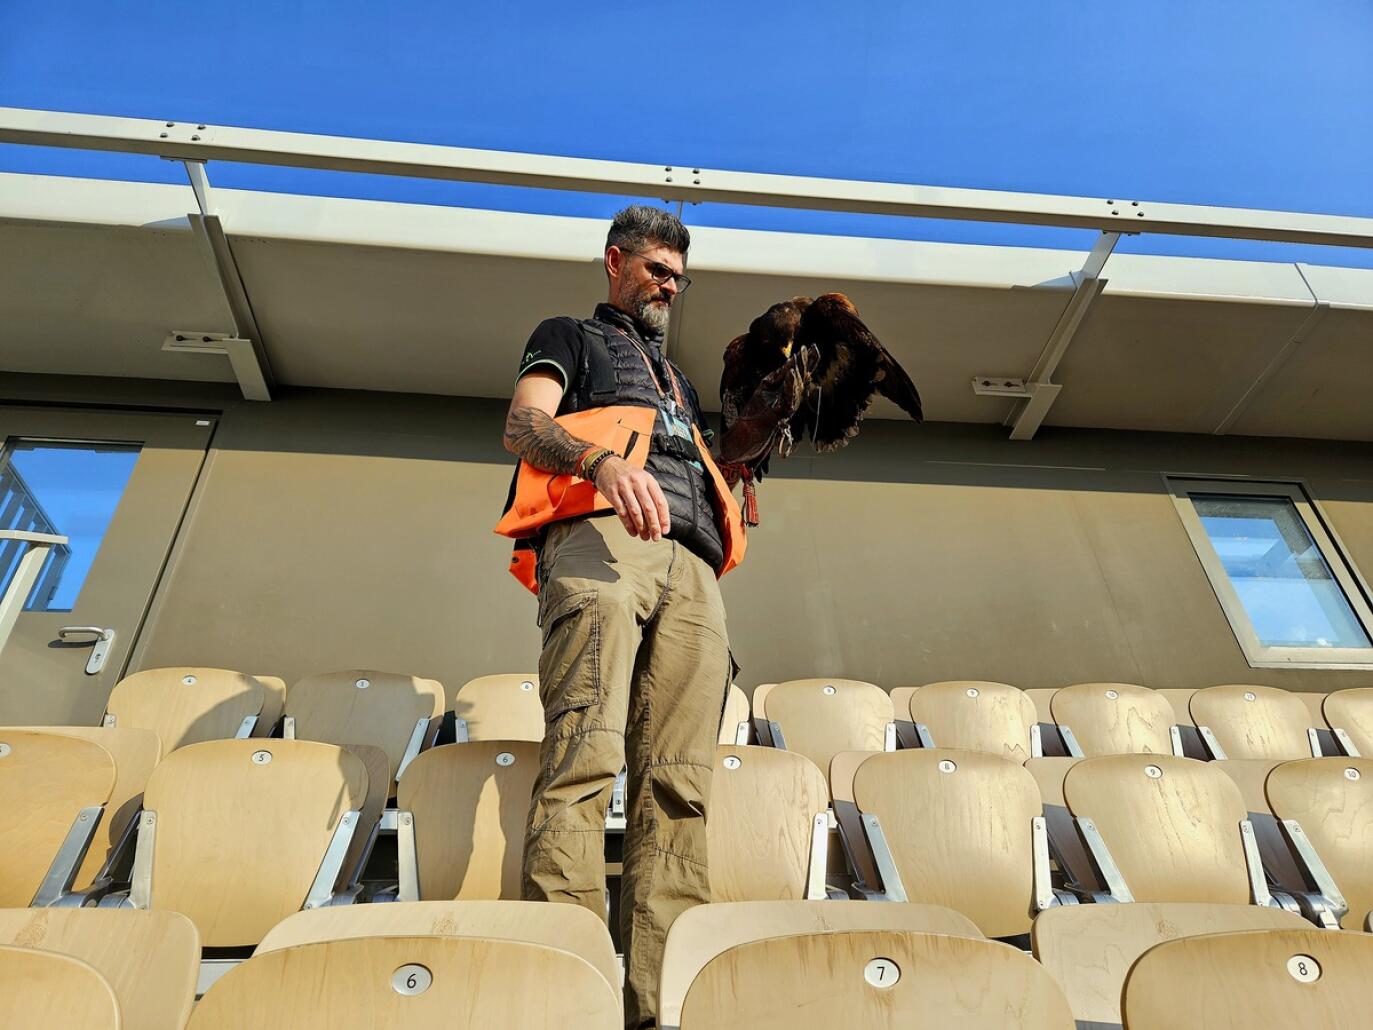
(652, 315)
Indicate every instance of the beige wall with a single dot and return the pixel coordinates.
(350, 529)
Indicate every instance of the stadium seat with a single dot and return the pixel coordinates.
(1254, 980)
(1115, 719)
(135, 752)
(46, 989)
(53, 791)
(150, 959)
(962, 829)
(735, 724)
(1089, 948)
(1349, 714)
(1243, 721)
(569, 927)
(1315, 709)
(1331, 799)
(1164, 828)
(821, 717)
(188, 705)
(501, 707)
(419, 983)
(397, 713)
(1180, 698)
(704, 931)
(1066, 846)
(874, 978)
(901, 710)
(466, 806)
(976, 715)
(1050, 742)
(238, 834)
(273, 705)
(370, 815)
(767, 832)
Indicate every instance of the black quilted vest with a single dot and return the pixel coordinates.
(613, 372)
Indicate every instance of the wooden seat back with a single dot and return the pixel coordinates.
(704, 931)
(470, 803)
(150, 959)
(273, 704)
(763, 803)
(378, 767)
(239, 837)
(835, 979)
(821, 717)
(569, 927)
(1065, 844)
(736, 711)
(1352, 711)
(1253, 721)
(474, 984)
(135, 751)
(1332, 799)
(1173, 832)
(1043, 699)
(186, 705)
(47, 989)
(365, 706)
(1255, 980)
(505, 706)
(45, 781)
(976, 715)
(1115, 718)
(1089, 949)
(960, 828)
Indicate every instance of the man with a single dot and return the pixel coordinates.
(623, 525)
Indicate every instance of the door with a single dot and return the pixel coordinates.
(115, 485)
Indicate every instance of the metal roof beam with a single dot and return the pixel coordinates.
(200, 142)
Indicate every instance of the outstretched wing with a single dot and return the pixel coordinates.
(852, 366)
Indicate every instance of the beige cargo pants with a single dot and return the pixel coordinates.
(634, 671)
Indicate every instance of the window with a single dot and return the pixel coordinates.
(1290, 595)
(70, 489)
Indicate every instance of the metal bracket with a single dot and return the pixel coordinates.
(1070, 741)
(819, 851)
(1000, 386)
(778, 741)
(322, 890)
(1347, 745)
(238, 350)
(889, 737)
(1107, 870)
(67, 862)
(1175, 738)
(1036, 741)
(288, 727)
(1258, 882)
(412, 749)
(1212, 744)
(922, 734)
(741, 733)
(1314, 739)
(141, 879)
(1313, 867)
(892, 887)
(407, 858)
(460, 730)
(1044, 887)
(246, 727)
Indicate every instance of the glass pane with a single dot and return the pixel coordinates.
(70, 489)
(1282, 579)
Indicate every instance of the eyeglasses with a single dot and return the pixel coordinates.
(661, 273)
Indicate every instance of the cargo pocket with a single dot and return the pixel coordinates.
(570, 664)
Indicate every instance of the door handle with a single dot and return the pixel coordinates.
(103, 639)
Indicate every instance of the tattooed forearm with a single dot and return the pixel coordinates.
(534, 437)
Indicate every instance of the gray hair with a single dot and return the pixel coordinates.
(639, 226)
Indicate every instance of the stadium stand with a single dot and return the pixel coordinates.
(462, 813)
(505, 706)
(1349, 714)
(150, 959)
(188, 705)
(1243, 721)
(821, 717)
(47, 989)
(975, 715)
(1255, 980)
(1115, 719)
(54, 790)
(768, 828)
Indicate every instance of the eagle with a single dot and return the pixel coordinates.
(806, 369)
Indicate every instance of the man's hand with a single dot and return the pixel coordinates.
(636, 497)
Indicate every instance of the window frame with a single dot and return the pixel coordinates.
(1346, 574)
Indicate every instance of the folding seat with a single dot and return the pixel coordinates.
(188, 705)
(1050, 742)
(461, 820)
(1349, 714)
(373, 810)
(45, 989)
(768, 829)
(501, 707)
(735, 723)
(149, 959)
(975, 715)
(1255, 980)
(1326, 807)
(1075, 867)
(1089, 949)
(135, 752)
(1315, 714)
(872, 978)
(1243, 721)
(1180, 698)
(1115, 719)
(53, 790)
(705, 931)
(901, 709)
(569, 927)
(237, 834)
(962, 829)
(821, 717)
(422, 982)
(273, 705)
(397, 713)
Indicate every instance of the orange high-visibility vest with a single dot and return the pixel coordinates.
(543, 497)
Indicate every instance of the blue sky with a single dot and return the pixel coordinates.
(1265, 104)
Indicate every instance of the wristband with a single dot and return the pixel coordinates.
(594, 464)
(588, 461)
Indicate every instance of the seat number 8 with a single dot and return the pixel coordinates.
(1304, 969)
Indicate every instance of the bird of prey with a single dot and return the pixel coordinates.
(806, 369)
